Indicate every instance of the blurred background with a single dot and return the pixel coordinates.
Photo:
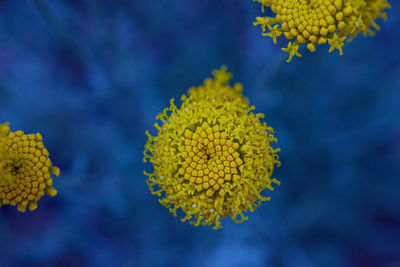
(91, 77)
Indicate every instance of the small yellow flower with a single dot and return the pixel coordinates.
(212, 156)
(25, 169)
(292, 49)
(315, 22)
(336, 43)
(274, 32)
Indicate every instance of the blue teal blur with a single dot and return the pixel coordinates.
(92, 75)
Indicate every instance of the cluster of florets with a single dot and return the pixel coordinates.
(25, 169)
(212, 157)
(315, 22)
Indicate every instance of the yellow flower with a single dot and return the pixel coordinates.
(336, 43)
(212, 156)
(25, 169)
(292, 49)
(315, 22)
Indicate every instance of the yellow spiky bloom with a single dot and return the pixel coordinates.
(212, 156)
(25, 169)
(315, 22)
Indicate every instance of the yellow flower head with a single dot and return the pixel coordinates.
(25, 169)
(212, 156)
(315, 22)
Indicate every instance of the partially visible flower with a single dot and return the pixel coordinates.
(25, 169)
(315, 22)
(212, 157)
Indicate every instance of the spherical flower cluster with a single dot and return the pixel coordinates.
(212, 157)
(314, 22)
(25, 169)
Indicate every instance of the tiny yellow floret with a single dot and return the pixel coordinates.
(212, 157)
(315, 22)
(25, 169)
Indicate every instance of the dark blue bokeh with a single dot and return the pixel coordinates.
(91, 77)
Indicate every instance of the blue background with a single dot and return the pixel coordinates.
(91, 77)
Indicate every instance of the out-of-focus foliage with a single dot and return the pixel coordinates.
(92, 75)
